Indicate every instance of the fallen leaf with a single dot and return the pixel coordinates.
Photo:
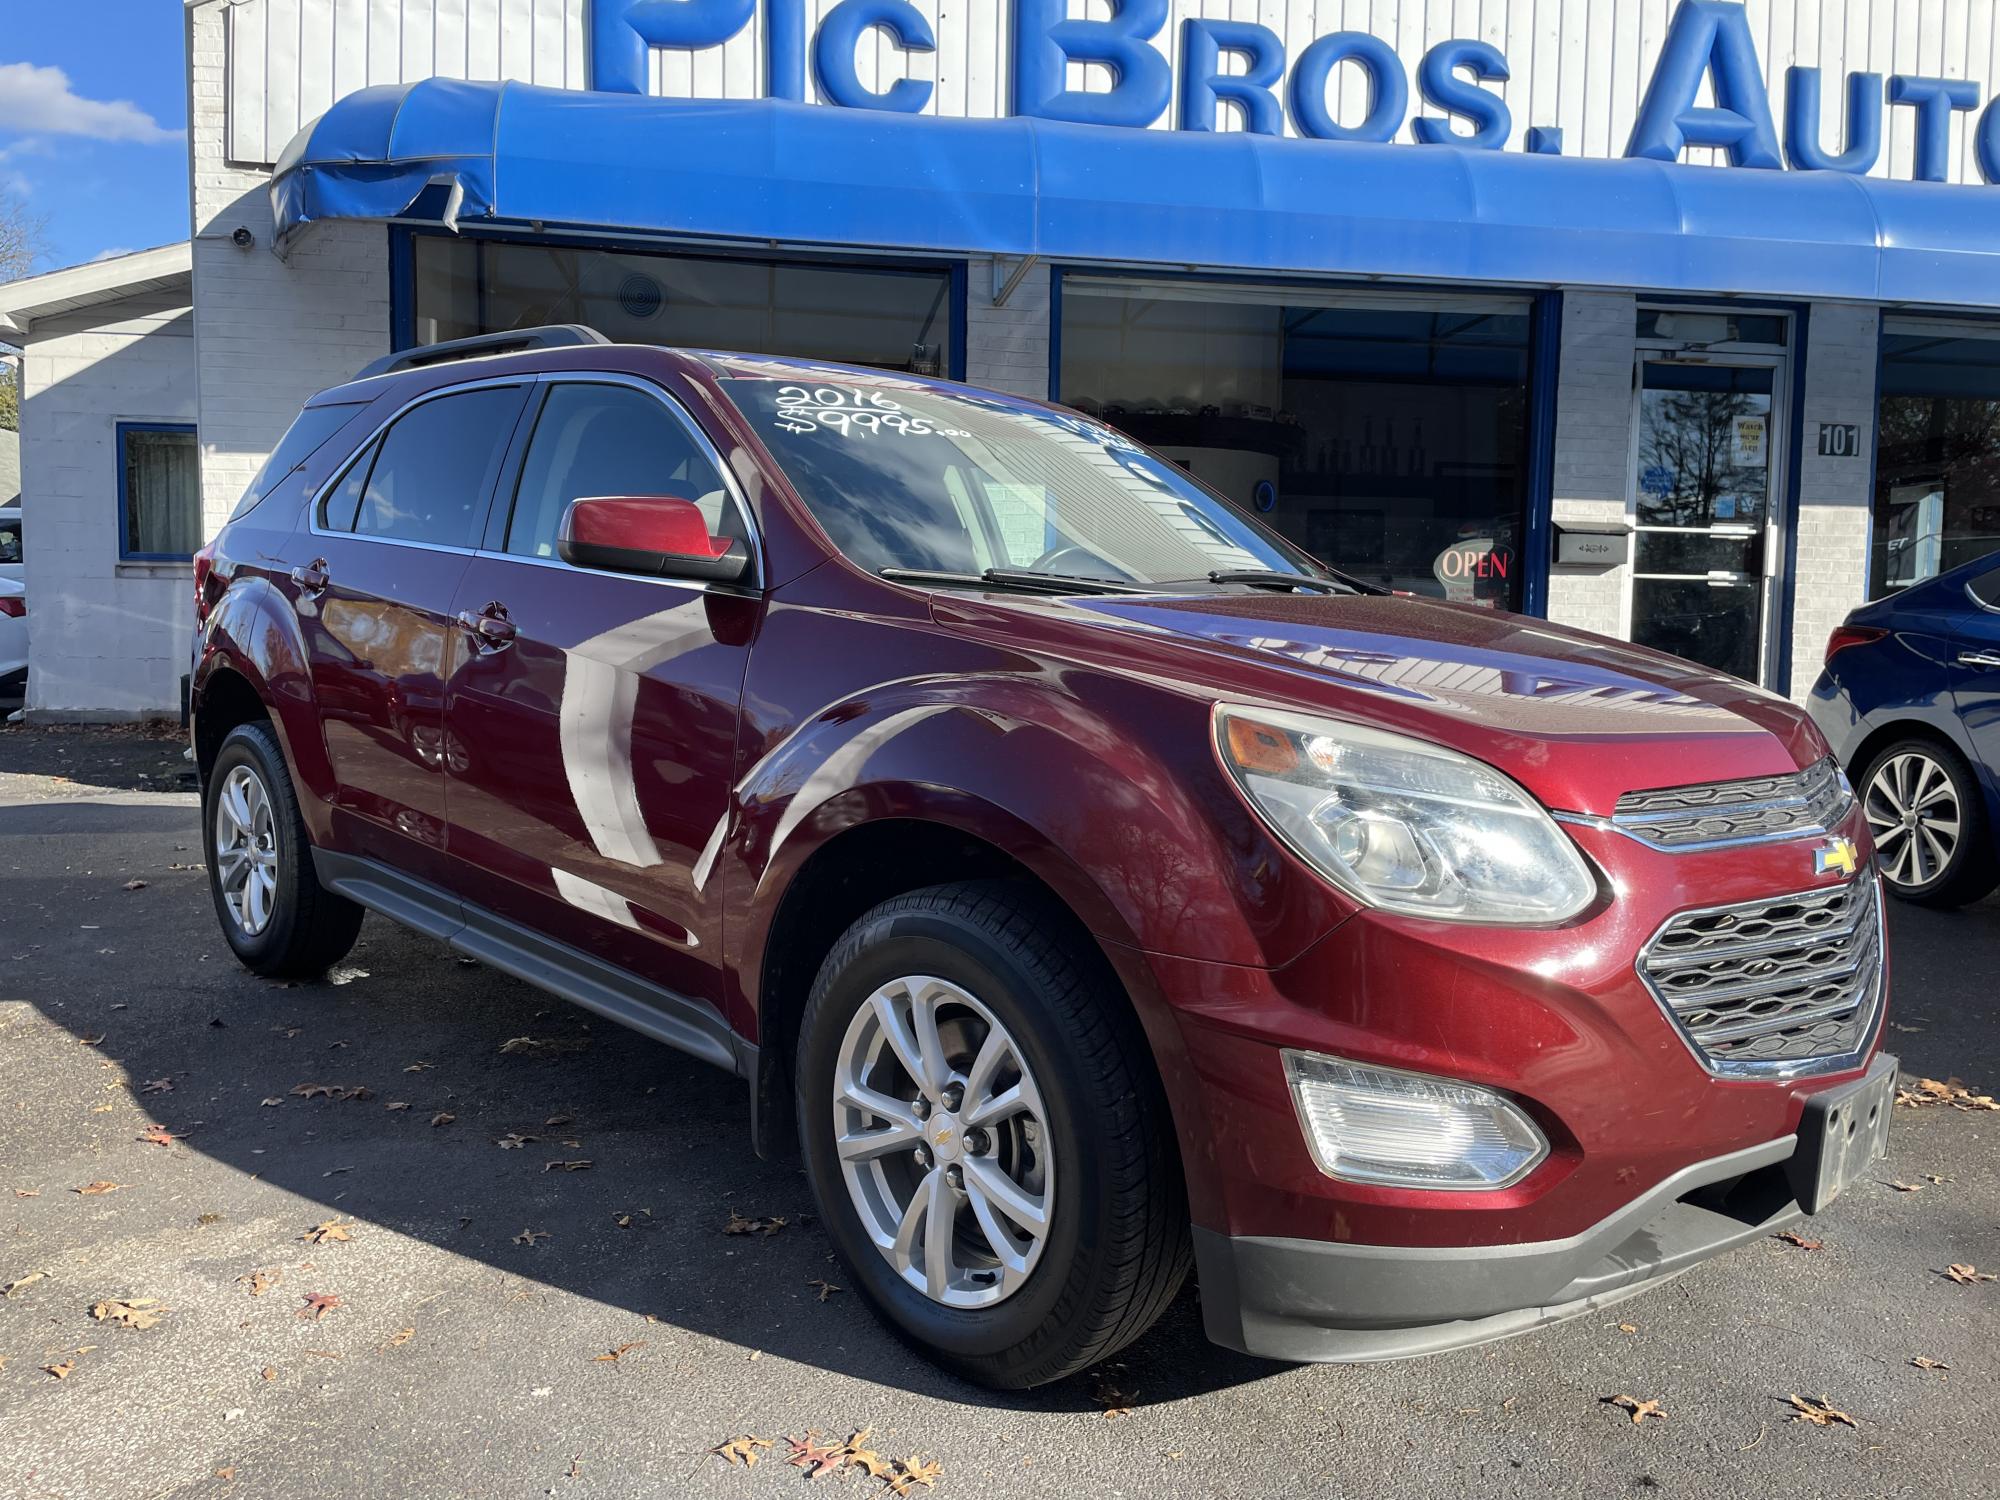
(566, 1166)
(1923, 1363)
(259, 1282)
(443, 1117)
(741, 1450)
(530, 1236)
(1640, 1410)
(1935, 1177)
(1907, 1187)
(331, 1229)
(27, 1192)
(318, 1305)
(513, 1140)
(400, 1337)
(90, 1041)
(333, 1091)
(159, 1135)
(22, 1283)
(268, 1373)
(138, 1312)
(158, 1086)
(61, 1371)
(226, 1473)
(92, 1189)
(826, 1288)
(739, 1225)
(817, 1459)
(270, 1103)
(611, 1357)
(1966, 1275)
(1793, 1237)
(1628, 1327)
(554, 1120)
(914, 1471)
(1952, 1092)
(133, 885)
(1821, 1413)
(419, 1067)
(1116, 1403)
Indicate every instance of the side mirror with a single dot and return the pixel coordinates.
(661, 536)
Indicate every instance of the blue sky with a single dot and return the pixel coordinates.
(93, 115)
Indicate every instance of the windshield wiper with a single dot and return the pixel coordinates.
(1026, 579)
(1264, 578)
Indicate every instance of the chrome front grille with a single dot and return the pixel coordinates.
(1736, 812)
(1778, 987)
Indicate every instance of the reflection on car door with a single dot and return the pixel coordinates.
(594, 737)
(1975, 671)
(389, 541)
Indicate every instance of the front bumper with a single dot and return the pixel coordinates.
(1299, 1299)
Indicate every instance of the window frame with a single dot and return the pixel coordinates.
(122, 430)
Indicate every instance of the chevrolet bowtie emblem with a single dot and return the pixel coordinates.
(1838, 857)
(943, 1137)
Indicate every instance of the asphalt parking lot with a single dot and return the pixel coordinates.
(528, 1288)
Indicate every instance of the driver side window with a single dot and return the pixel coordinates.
(593, 440)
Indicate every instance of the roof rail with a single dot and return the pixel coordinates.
(512, 341)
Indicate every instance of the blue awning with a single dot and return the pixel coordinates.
(768, 171)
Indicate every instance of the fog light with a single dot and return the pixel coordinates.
(1396, 1129)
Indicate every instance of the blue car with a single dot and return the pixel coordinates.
(1910, 700)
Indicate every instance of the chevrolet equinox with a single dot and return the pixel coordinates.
(1088, 883)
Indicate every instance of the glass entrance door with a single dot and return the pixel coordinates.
(1704, 485)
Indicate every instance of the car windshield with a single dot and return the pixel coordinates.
(905, 476)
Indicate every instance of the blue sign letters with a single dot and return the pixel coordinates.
(1708, 43)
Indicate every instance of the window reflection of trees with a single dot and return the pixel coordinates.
(1943, 444)
(1692, 436)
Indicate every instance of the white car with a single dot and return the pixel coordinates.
(11, 565)
(13, 638)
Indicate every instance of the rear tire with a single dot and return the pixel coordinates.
(1927, 815)
(1028, 1021)
(277, 917)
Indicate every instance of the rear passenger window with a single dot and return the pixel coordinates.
(431, 471)
(594, 440)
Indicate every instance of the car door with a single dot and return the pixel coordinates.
(593, 724)
(390, 537)
(1975, 670)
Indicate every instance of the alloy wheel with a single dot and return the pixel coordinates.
(246, 850)
(943, 1142)
(1913, 813)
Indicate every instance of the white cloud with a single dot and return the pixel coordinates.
(110, 254)
(41, 99)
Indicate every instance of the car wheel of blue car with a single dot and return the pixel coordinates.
(1928, 821)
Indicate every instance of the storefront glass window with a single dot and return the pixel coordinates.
(1386, 436)
(1937, 465)
(895, 319)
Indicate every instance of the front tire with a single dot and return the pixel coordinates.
(1927, 816)
(277, 917)
(986, 1139)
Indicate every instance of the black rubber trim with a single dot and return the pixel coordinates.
(649, 1009)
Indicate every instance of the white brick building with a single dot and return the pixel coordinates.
(1636, 389)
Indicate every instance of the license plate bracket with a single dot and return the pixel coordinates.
(1841, 1132)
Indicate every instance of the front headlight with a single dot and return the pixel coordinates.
(1403, 824)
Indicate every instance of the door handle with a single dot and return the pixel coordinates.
(1978, 659)
(490, 629)
(312, 578)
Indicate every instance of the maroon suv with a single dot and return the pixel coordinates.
(1084, 879)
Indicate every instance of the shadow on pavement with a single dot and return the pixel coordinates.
(425, 1033)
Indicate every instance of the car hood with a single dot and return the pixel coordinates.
(1577, 718)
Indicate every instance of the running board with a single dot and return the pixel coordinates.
(575, 976)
